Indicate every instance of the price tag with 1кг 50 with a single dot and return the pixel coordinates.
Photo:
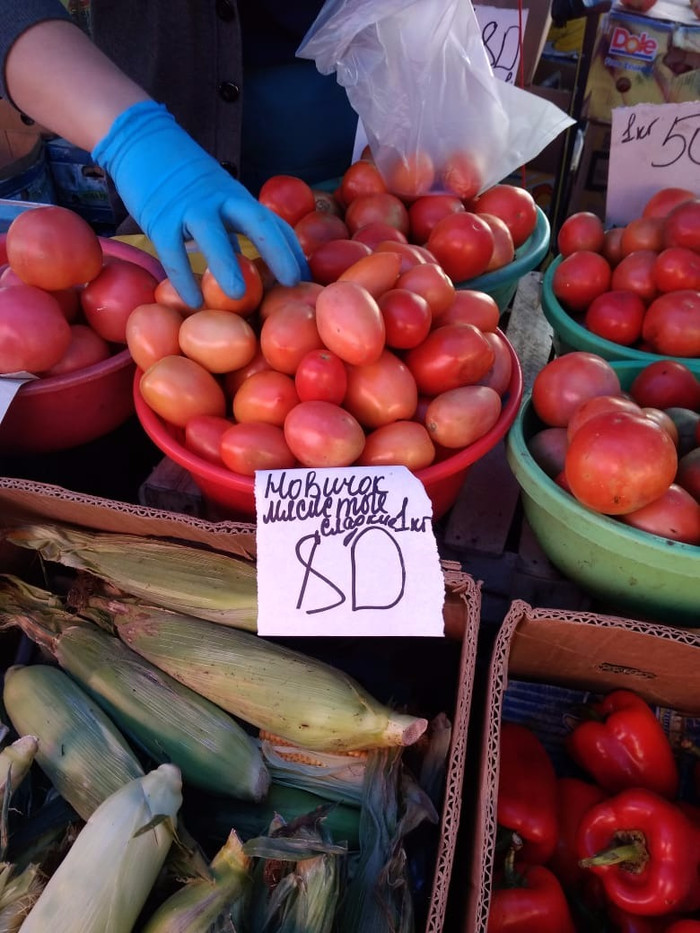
(347, 551)
(652, 146)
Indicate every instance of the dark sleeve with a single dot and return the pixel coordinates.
(16, 17)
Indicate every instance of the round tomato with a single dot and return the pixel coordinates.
(253, 446)
(68, 298)
(377, 232)
(34, 334)
(384, 207)
(85, 349)
(503, 248)
(232, 380)
(289, 197)
(52, 248)
(279, 295)
(350, 323)
(409, 175)
(596, 406)
(329, 260)
(327, 202)
(663, 419)
(635, 273)
(266, 396)
(203, 435)
(108, 300)
(288, 334)
(675, 515)
(582, 230)
(672, 324)
(425, 212)
(642, 233)
(463, 245)
(406, 443)
(612, 247)
(360, 178)
(688, 475)
(567, 381)
(319, 227)
(548, 449)
(450, 356)
(460, 175)
(380, 392)
(220, 341)
(500, 373)
(470, 306)
(616, 316)
(579, 278)
(377, 272)
(430, 281)
(619, 461)
(515, 206)
(321, 376)
(666, 384)
(215, 297)
(152, 332)
(664, 200)
(322, 434)
(681, 226)
(677, 268)
(178, 388)
(407, 318)
(459, 417)
(165, 294)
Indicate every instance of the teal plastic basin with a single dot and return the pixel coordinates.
(626, 570)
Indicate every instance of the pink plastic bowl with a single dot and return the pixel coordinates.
(60, 412)
(236, 493)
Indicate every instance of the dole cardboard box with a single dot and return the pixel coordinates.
(422, 670)
(544, 663)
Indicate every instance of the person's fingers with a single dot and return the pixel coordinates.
(173, 257)
(295, 247)
(215, 243)
(263, 229)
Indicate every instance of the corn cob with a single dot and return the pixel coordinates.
(206, 584)
(335, 776)
(200, 904)
(104, 880)
(269, 686)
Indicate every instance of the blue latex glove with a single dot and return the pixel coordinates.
(176, 191)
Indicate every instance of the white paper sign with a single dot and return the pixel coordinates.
(500, 32)
(652, 146)
(10, 385)
(346, 552)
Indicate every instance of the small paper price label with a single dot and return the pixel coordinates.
(652, 146)
(500, 33)
(346, 552)
(10, 384)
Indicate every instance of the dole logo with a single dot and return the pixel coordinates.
(624, 42)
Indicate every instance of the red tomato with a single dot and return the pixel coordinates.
(463, 245)
(165, 294)
(319, 227)
(459, 417)
(596, 406)
(34, 334)
(407, 318)
(514, 205)
(410, 253)
(85, 349)
(329, 260)
(567, 381)
(688, 475)
(253, 446)
(215, 297)
(548, 449)
(381, 392)
(350, 323)
(582, 230)
(324, 435)
(68, 298)
(642, 233)
(384, 207)
(666, 384)
(108, 300)
(664, 200)
(321, 376)
(266, 396)
(677, 268)
(619, 462)
(409, 175)
(503, 249)
(635, 273)
(612, 248)
(460, 175)
(616, 316)
(675, 515)
(672, 324)
(220, 341)
(377, 272)
(279, 295)
(663, 419)
(203, 435)
(450, 356)
(152, 332)
(360, 178)
(579, 278)
(501, 371)
(52, 248)
(681, 225)
(430, 281)
(406, 443)
(425, 212)
(377, 232)
(177, 388)
(470, 306)
(327, 202)
(289, 197)
(288, 334)
(234, 379)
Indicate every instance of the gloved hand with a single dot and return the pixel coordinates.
(176, 191)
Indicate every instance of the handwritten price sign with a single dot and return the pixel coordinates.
(346, 552)
(500, 33)
(652, 146)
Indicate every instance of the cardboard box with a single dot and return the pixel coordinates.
(582, 651)
(641, 60)
(21, 499)
(79, 183)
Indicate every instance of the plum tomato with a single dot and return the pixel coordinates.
(688, 475)
(514, 205)
(450, 356)
(215, 297)
(203, 435)
(406, 443)
(567, 381)
(470, 306)
(547, 447)
(672, 324)
(430, 281)
(460, 416)
(165, 294)
(500, 373)
(503, 248)
(289, 197)
(380, 392)
(108, 300)
(253, 446)
(581, 230)
(232, 380)
(219, 340)
(319, 227)
(463, 244)
(612, 247)
(579, 278)
(329, 260)
(411, 254)
(266, 396)
(178, 388)
(384, 207)
(152, 332)
(597, 405)
(288, 334)
(377, 232)
(377, 272)
(279, 295)
(666, 384)
(675, 515)
(321, 376)
(407, 318)
(350, 323)
(322, 434)
(616, 316)
(34, 333)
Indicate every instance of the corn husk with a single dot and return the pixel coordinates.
(269, 686)
(334, 776)
(15, 761)
(19, 891)
(206, 584)
(103, 882)
(200, 905)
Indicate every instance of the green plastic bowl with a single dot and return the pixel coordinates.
(502, 283)
(570, 335)
(627, 570)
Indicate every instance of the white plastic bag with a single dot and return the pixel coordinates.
(417, 74)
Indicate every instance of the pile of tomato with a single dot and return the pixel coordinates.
(631, 455)
(637, 285)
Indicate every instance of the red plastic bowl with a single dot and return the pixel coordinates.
(60, 412)
(236, 493)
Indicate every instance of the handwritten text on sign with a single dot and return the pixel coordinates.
(346, 552)
(652, 146)
(500, 33)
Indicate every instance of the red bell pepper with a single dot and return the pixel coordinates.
(527, 792)
(528, 899)
(624, 922)
(626, 747)
(574, 799)
(644, 849)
